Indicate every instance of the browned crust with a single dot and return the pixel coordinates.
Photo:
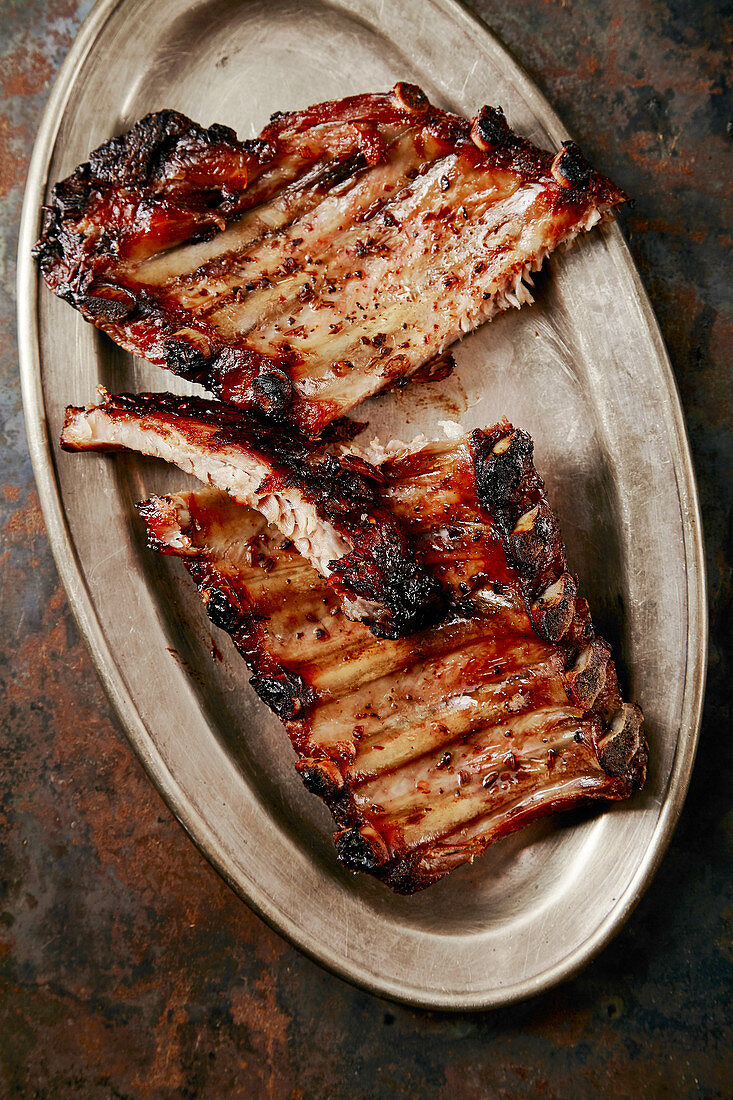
(511, 492)
(168, 180)
(382, 567)
(510, 489)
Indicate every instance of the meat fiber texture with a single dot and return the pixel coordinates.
(300, 272)
(427, 748)
(330, 506)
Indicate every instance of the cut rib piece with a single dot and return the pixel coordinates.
(329, 507)
(303, 271)
(427, 748)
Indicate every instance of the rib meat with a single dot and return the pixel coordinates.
(427, 748)
(347, 246)
(329, 507)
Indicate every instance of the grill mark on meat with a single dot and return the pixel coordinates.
(301, 272)
(279, 255)
(427, 748)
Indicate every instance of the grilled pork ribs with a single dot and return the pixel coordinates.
(293, 276)
(427, 748)
(300, 272)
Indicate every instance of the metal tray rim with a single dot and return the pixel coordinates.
(44, 466)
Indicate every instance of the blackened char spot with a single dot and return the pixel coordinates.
(339, 171)
(287, 695)
(571, 166)
(316, 779)
(112, 310)
(183, 358)
(221, 610)
(400, 875)
(355, 852)
(382, 569)
(70, 196)
(499, 476)
(273, 391)
(492, 127)
(262, 150)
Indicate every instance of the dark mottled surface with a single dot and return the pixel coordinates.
(127, 968)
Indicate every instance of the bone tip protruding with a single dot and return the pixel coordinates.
(489, 129)
(552, 611)
(586, 677)
(320, 776)
(569, 167)
(526, 523)
(361, 849)
(410, 97)
(502, 445)
(532, 536)
(76, 430)
(623, 741)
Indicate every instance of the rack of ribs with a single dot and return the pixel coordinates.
(427, 748)
(300, 272)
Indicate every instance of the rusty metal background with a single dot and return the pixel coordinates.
(87, 1006)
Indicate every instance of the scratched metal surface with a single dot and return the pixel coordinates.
(127, 966)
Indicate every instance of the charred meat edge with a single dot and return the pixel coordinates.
(512, 492)
(168, 181)
(329, 506)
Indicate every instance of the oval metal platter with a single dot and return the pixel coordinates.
(584, 370)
